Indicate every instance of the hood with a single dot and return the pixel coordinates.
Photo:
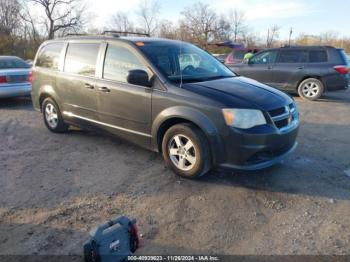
(246, 90)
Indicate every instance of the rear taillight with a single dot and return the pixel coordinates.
(342, 69)
(229, 59)
(3, 80)
(30, 79)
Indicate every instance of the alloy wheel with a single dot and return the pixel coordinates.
(182, 152)
(51, 115)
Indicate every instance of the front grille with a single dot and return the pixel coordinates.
(284, 117)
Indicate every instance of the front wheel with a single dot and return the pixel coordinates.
(311, 89)
(186, 151)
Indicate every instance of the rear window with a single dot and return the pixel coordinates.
(345, 57)
(49, 56)
(81, 59)
(293, 56)
(13, 63)
(318, 56)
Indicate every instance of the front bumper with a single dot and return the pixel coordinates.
(7, 91)
(258, 150)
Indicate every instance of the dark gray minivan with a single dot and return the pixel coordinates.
(195, 111)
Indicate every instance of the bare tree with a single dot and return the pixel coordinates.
(200, 22)
(222, 30)
(121, 22)
(61, 15)
(9, 16)
(148, 15)
(238, 23)
(167, 30)
(272, 35)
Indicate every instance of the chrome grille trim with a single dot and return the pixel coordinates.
(290, 114)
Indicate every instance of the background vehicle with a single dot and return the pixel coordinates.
(237, 56)
(167, 96)
(309, 71)
(15, 77)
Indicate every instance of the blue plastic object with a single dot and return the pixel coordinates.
(113, 241)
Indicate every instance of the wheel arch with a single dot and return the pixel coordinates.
(45, 92)
(318, 77)
(177, 115)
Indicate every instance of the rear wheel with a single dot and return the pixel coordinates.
(311, 89)
(186, 151)
(52, 117)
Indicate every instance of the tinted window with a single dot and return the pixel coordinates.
(9, 63)
(239, 55)
(49, 56)
(345, 57)
(81, 59)
(118, 62)
(318, 56)
(293, 56)
(268, 57)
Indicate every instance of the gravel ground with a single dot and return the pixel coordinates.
(55, 188)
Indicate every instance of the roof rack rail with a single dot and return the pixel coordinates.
(119, 33)
(75, 34)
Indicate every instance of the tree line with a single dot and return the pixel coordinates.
(25, 24)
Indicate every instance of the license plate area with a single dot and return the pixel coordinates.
(17, 79)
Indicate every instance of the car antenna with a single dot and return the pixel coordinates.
(181, 76)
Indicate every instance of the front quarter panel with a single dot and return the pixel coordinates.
(177, 103)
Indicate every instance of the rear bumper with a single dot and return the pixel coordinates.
(338, 82)
(8, 91)
(254, 151)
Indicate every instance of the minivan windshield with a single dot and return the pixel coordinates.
(184, 62)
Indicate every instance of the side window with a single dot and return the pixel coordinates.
(118, 62)
(268, 57)
(293, 56)
(318, 56)
(81, 59)
(49, 56)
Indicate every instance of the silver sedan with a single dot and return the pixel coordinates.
(15, 77)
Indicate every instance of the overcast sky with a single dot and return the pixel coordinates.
(308, 16)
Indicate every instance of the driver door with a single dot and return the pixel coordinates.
(260, 67)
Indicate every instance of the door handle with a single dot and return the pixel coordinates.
(89, 86)
(301, 67)
(104, 89)
(270, 67)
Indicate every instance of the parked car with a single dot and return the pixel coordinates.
(200, 117)
(220, 57)
(308, 71)
(15, 77)
(237, 55)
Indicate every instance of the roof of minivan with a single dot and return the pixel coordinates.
(108, 37)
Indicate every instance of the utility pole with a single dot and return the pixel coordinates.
(290, 35)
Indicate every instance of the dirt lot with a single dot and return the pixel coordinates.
(55, 188)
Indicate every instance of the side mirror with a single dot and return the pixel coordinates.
(138, 77)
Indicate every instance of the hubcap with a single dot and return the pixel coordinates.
(311, 89)
(51, 115)
(182, 152)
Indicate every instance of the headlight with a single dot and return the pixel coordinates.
(244, 118)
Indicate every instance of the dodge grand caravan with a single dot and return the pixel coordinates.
(199, 115)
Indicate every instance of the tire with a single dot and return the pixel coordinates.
(52, 116)
(186, 151)
(311, 89)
